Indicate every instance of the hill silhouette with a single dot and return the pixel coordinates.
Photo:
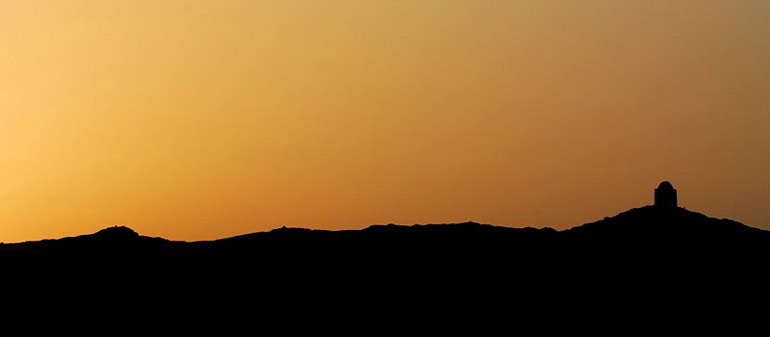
(649, 234)
(636, 258)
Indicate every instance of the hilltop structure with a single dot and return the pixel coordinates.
(665, 195)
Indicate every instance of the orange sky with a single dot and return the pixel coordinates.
(196, 120)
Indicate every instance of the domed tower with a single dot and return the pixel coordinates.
(665, 195)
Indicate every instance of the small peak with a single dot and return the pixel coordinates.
(665, 185)
(117, 232)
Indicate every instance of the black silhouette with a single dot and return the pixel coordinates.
(637, 258)
(665, 195)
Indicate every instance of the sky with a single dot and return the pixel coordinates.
(199, 120)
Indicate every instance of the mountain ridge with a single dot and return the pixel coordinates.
(626, 262)
(642, 218)
(648, 234)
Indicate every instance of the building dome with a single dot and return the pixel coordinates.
(665, 195)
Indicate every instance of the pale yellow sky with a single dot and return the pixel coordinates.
(196, 120)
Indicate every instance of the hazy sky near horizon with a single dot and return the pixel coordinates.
(196, 120)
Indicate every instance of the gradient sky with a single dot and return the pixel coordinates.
(195, 120)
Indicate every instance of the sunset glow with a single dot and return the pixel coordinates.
(198, 120)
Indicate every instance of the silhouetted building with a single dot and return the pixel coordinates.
(665, 195)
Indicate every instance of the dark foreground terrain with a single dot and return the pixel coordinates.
(651, 257)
